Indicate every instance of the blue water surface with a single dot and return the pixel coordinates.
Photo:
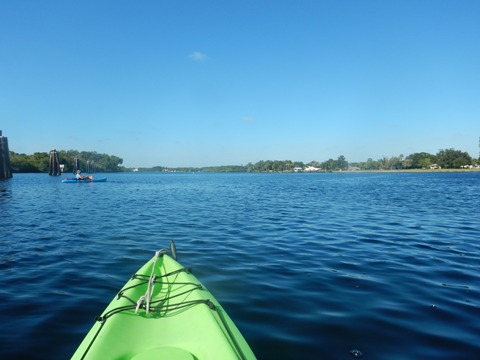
(309, 266)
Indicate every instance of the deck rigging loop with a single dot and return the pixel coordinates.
(139, 303)
(151, 282)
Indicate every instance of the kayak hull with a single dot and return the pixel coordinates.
(84, 180)
(180, 320)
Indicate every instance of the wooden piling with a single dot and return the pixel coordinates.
(54, 164)
(5, 169)
(76, 165)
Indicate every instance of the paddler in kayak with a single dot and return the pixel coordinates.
(80, 177)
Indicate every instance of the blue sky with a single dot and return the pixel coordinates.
(200, 83)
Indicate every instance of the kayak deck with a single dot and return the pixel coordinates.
(164, 312)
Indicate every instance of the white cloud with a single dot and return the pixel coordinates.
(248, 119)
(197, 56)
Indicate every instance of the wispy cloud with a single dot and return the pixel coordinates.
(197, 56)
(248, 119)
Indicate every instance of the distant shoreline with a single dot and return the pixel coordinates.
(414, 170)
(173, 170)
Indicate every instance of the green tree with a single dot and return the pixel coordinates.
(329, 165)
(21, 163)
(288, 165)
(37, 162)
(267, 165)
(342, 163)
(41, 161)
(453, 159)
(420, 160)
(371, 164)
(391, 163)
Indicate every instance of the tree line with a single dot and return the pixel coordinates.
(445, 159)
(39, 162)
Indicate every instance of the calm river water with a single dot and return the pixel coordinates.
(309, 266)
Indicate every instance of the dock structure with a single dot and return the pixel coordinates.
(5, 169)
(54, 165)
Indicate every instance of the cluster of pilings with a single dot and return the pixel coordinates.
(91, 167)
(5, 170)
